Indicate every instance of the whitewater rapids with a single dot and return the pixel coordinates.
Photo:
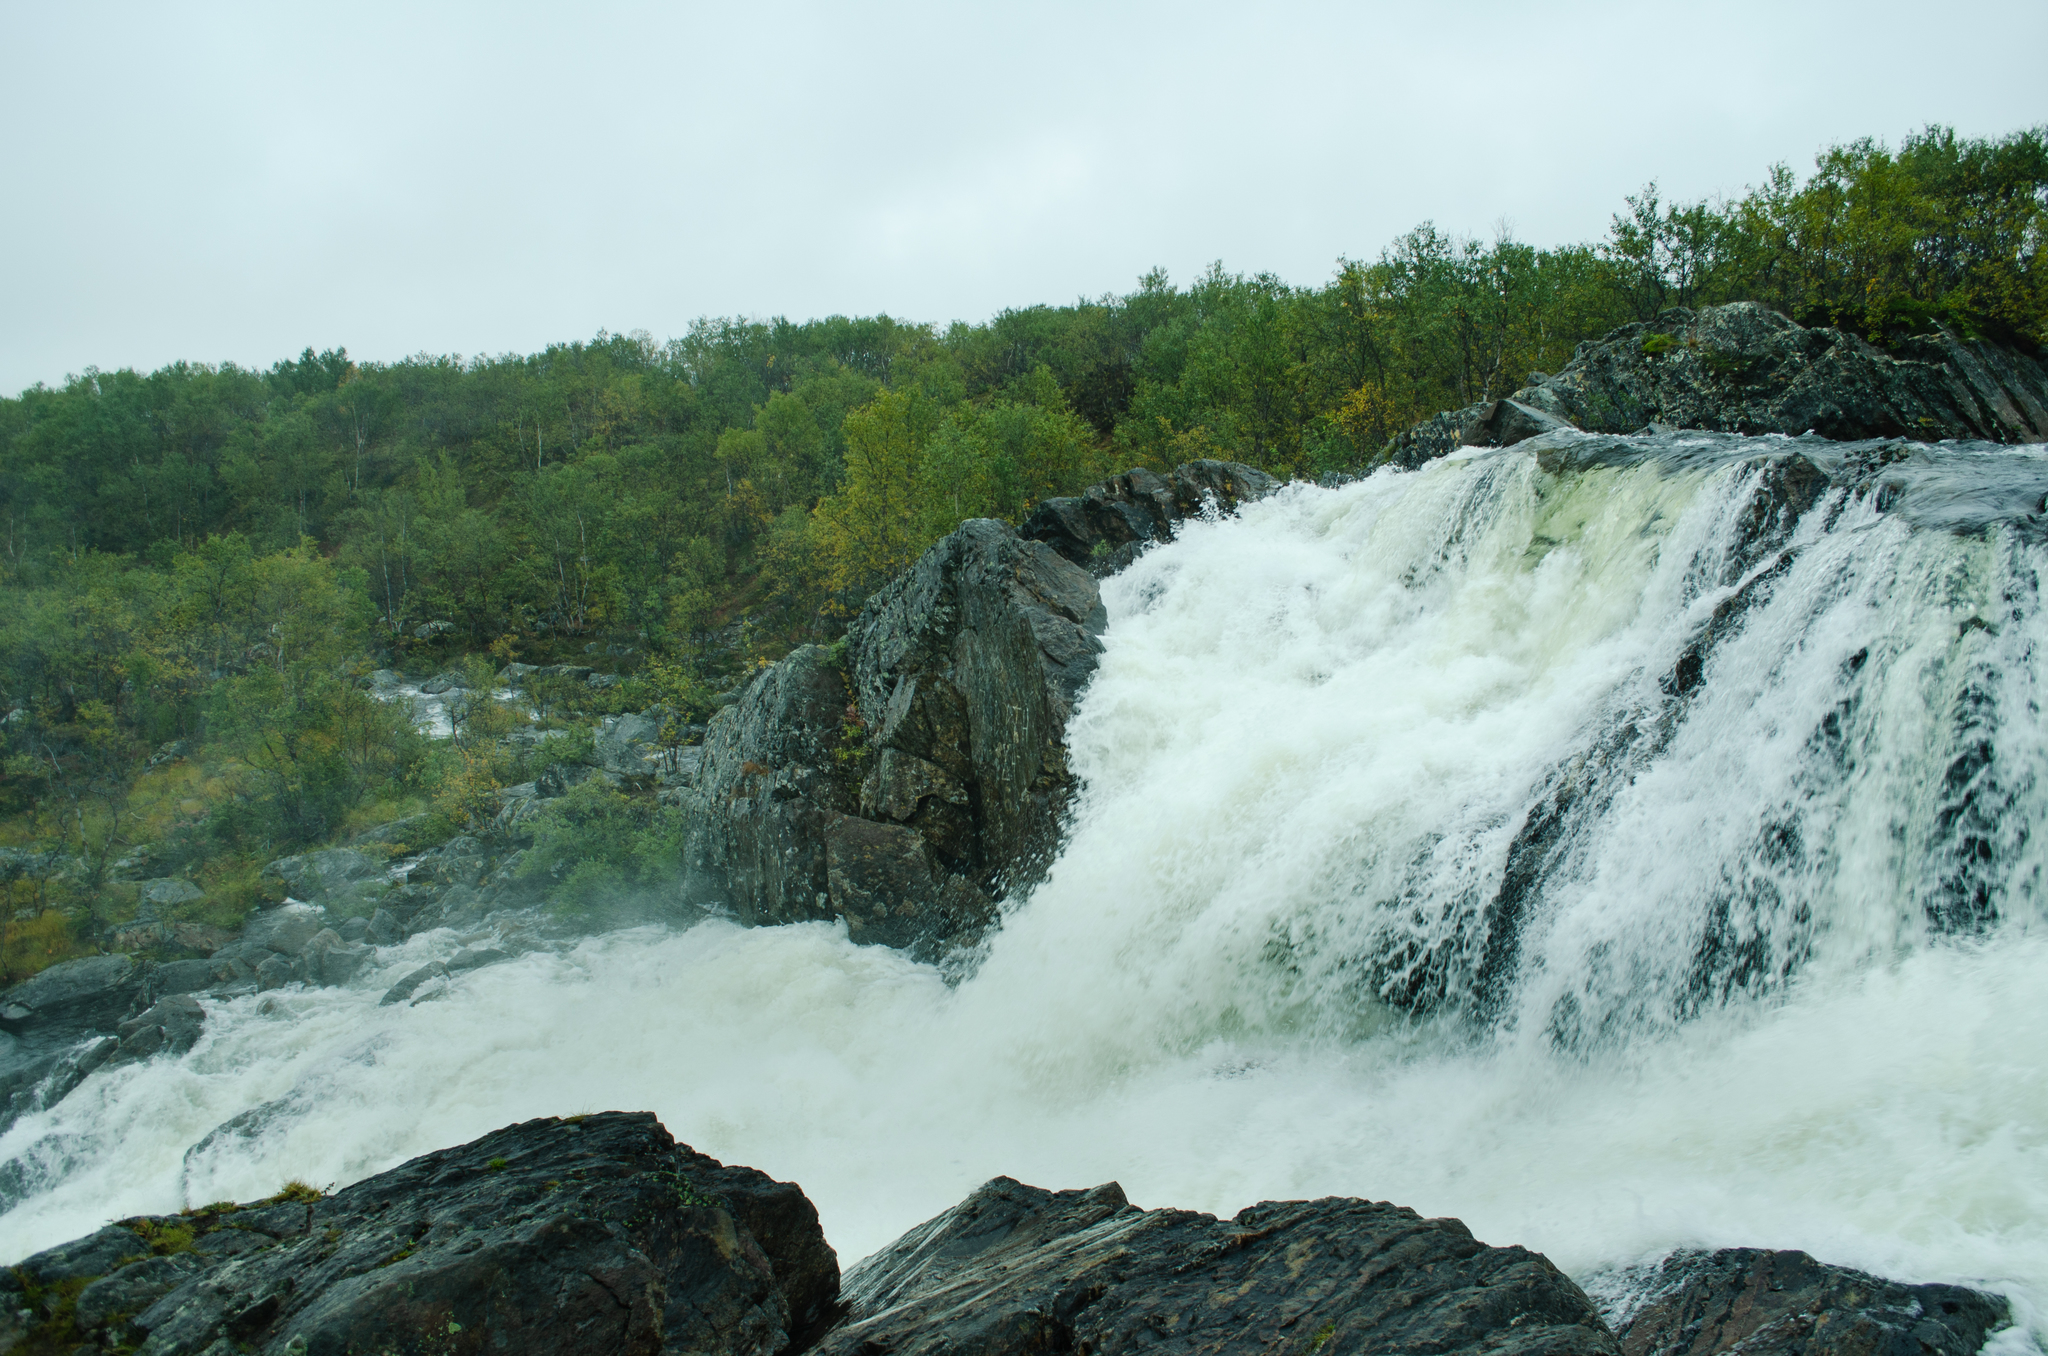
(1775, 975)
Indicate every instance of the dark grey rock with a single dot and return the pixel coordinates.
(385, 929)
(514, 676)
(354, 929)
(413, 831)
(476, 957)
(405, 988)
(274, 972)
(627, 744)
(1103, 528)
(185, 976)
(283, 930)
(575, 673)
(597, 1234)
(1764, 1303)
(168, 892)
(450, 681)
(171, 1026)
(1015, 1269)
(313, 876)
(94, 1255)
(93, 993)
(132, 1289)
(1744, 368)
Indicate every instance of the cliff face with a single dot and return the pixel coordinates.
(1744, 368)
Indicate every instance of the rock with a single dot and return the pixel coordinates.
(185, 976)
(627, 744)
(450, 681)
(354, 929)
(331, 960)
(599, 682)
(40, 1082)
(171, 1026)
(199, 936)
(970, 662)
(81, 1259)
(596, 1234)
(514, 676)
(169, 892)
(283, 930)
(1103, 528)
(401, 835)
(132, 1289)
(1765, 1303)
(274, 972)
(1015, 1269)
(314, 876)
(557, 778)
(948, 721)
(405, 988)
(170, 752)
(429, 630)
(476, 957)
(1744, 368)
(385, 929)
(574, 673)
(93, 993)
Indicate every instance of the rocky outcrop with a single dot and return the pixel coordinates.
(1786, 1304)
(1016, 1269)
(595, 1233)
(908, 782)
(601, 1233)
(911, 778)
(1103, 528)
(1744, 368)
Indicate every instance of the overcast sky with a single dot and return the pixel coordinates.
(236, 182)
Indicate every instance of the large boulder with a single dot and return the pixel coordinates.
(596, 1233)
(910, 781)
(1786, 1304)
(1016, 1269)
(1744, 368)
(93, 993)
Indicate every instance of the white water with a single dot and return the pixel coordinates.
(1314, 736)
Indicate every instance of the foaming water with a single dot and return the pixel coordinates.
(1418, 861)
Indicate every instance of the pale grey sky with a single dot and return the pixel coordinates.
(234, 182)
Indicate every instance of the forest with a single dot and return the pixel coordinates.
(199, 566)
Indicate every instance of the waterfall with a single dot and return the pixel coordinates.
(1619, 844)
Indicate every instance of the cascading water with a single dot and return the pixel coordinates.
(1616, 844)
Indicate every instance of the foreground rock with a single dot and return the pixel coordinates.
(1744, 368)
(596, 1233)
(915, 776)
(1015, 1269)
(600, 1233)
(1786, 1304)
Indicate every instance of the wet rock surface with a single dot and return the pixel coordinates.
(1018, 1269)
(597, 1233)
(1744, 368)
(1103, 528)
(1765, 1303)
(602, 1233)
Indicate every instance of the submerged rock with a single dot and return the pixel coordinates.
(597, 1233)
(1744, 368)
(1016, 1269)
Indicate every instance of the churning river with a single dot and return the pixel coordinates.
(1584, 852)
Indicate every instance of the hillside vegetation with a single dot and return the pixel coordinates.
(199, 566)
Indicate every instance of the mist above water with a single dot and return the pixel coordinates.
(1439, 846)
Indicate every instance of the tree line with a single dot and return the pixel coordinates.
(167, 538)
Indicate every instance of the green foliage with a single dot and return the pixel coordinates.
(598, 847)
(216, 555)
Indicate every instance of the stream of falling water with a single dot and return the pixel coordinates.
(1582, 852)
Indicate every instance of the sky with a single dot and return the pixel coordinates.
(234, 183)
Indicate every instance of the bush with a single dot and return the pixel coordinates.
(601, 848)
